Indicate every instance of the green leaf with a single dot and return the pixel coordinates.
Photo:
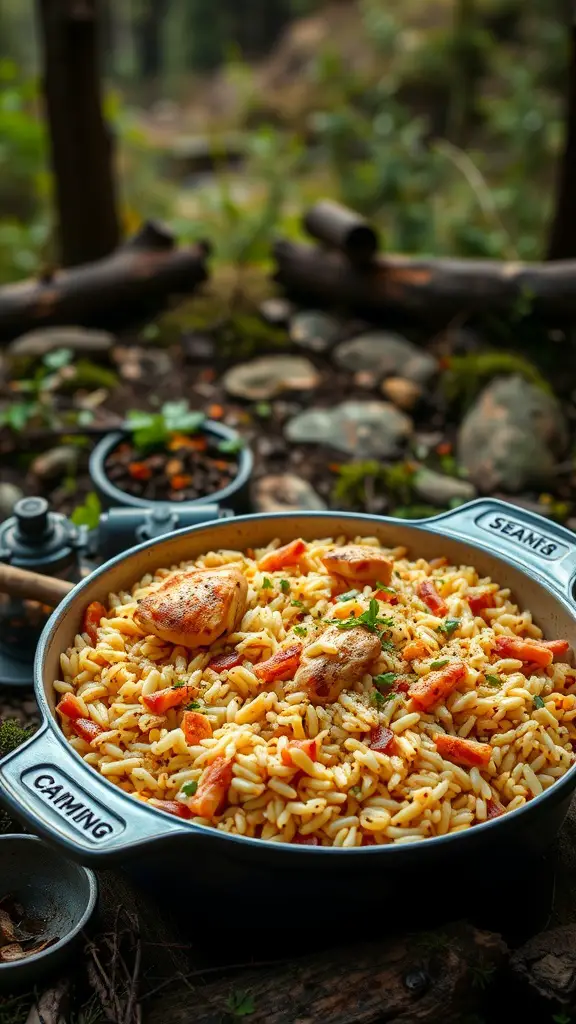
(439, 663)
(180, 419)
(386, 679)
(189, 788)
(231, 446)
(298, 604)
(263, 410)
(300, 631)
(379, 698)
(59, 358)
(370, 619)
(266, 584)
(179, 684)
(88, 514)
(493, 680)
(538, 702)
(449, 626)
(194, 705)
(382, 586)
(285, 586)
(240, 1004)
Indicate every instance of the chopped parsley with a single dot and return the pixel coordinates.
(378, 698)
(178, 684)
(382, 586)
(300, 630)
(493, 680)
(449, 626)
(189, 788)
(298, 604)
(538, 702)
(192, 706)
(386, 679)
(285, 586)
(386, 645)
(439, 663)
(370, 618)
(348, 595)
(266, 584)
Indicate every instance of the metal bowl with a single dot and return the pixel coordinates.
(47, 784)
(57, 891)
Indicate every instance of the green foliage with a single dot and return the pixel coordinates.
(88, 514)
(151, 430)
(393, 480)
(466, 375)
(240, 1004)
(12, 735)
(415, 512)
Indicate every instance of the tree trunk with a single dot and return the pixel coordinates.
(81, 150)
(562, 244)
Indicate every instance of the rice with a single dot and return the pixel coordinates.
(352, 793)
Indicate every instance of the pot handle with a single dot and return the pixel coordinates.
(44, 784)
(534, 543)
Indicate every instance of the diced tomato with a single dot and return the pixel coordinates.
(383, 740)
(179, 481)
(300, 840)
(557, 647)
(172, 807)
(70, 706)
(225, 661)
(525, 649)
(86, 729)
(368, 840)
(172, 697)
(436, 686)
(383, 595)
(282, 664)
(91, 621)
(212, 788)
(195, 727)
(428, 593)
(479, 602)
(308, 746)
(289, 554)
(139, 471)
(414, 649)
(462, 751)
(494, 808)
(401, 686)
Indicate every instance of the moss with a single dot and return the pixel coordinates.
(395, 481)
(466, 375)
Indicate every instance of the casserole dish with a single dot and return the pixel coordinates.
(48, 786)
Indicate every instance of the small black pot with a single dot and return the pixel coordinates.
(235, 496)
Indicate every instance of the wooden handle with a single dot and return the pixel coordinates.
(32, 586)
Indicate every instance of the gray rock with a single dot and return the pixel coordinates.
(314, 331)
(365, 429)
(276, 311)
(512, 436)
(404, 393)
(46, 339)
(284, 493)
(55, 463)
(441, 490)
(387, 355)
(9, 495)
(269, 376)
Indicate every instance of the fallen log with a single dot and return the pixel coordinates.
(418, 979)
(134, 283)
(430, 289)
(343, 229)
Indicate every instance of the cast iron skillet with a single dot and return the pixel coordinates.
(46, 784)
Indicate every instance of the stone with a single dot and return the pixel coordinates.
(55, 463)
(286, 493)
(269, 376)
(387, 355)
(365, 429)
(512, 437)
(46, 339)
(403, 393)
(198, 347)
(366, 380)
(439, 489)
(9, 495)
(276, 311)
(314, 331)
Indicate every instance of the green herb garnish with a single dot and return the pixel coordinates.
(240, 1004)
(386, 645)
(382, 586)
(285, 586)
(439, 663)
(379, 698)
(300, 630)
(231, 445)
(370, 618)
(386, 679)
(192, 706)
(266, 584)
(298, 604)
(189, 788)
(538, 702)
(493, 680)
(449, 626)
(178, 684)
(348, 595)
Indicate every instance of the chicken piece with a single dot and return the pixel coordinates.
(195, 608)
(324, 676)
(359, 562)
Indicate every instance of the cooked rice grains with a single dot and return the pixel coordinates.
(353, 794)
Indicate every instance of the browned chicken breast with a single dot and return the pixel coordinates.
(195, 608)
(361, 563)
(324, 676)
